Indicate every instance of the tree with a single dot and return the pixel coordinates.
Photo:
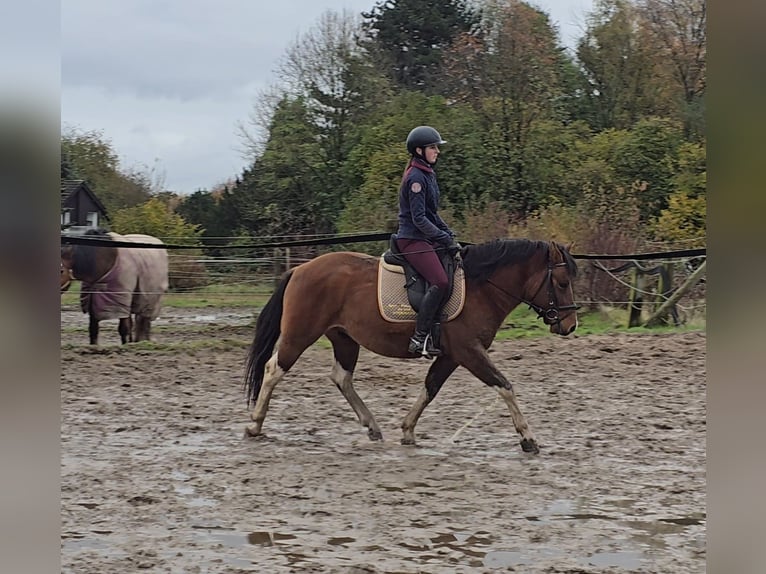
(621, 67)
(683, 221)
(649, 156)
(155, 218)
(678, 31)
(91, 157)
(311, 125)
(215, 213)
(406, 38)
(279, 193)
(510, 74)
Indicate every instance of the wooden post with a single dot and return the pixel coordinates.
(636, 298)
(287, 259)
(277, 270)
(664, 289)
(693, 279)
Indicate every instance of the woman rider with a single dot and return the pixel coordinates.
(422, 231)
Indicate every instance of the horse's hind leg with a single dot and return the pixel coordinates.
(125, 329)
(143, 327)
(346, 352)
(93, 330)
(439, 372)
(478, 363)
(272, 374)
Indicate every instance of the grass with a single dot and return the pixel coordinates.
(520, 324)
(209, 296)
(523, 323)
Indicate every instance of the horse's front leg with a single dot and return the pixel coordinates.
(439, 372)
(477, 361)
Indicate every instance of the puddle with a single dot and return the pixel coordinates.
(630, 560)
(234, 539)
(482, 548)
(232, 319)
(504, 558)
(186, 490)
(82, 542)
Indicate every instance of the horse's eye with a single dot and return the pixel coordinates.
(563, 284)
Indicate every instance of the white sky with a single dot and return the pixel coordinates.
(167, 81)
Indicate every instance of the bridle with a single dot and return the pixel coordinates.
(551, 313)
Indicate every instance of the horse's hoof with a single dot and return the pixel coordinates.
(252, 434)
(374, 435)
(408, 441)
(529, 445)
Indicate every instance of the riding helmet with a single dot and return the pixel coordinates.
(423, 136)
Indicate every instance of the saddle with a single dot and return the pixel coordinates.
(401, 288)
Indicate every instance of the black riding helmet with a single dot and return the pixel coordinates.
(422, 137)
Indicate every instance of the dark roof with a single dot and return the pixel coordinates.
(70, 186)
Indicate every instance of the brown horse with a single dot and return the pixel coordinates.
(335, 295)
(117, 282)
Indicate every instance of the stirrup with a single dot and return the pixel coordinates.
(424, 348)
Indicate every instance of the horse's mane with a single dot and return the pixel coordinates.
(84, 256)
(481, 260)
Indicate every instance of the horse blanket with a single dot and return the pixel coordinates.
(135, 283)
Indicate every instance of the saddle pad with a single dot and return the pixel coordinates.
(392, 295)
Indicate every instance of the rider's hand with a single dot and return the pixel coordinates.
(454, 247)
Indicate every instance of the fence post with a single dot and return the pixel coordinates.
(674, 298)
(636, 298)
(664, 289)
(277, 270)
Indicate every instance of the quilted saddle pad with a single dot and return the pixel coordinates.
(392, 295)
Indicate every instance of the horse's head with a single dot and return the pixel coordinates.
(553, 299)
(66, 267)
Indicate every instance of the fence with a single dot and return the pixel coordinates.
(677, 273)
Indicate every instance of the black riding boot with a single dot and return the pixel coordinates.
(421, 342)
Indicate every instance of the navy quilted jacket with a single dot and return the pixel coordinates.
(418, 206)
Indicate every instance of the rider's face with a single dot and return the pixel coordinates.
(432, 153)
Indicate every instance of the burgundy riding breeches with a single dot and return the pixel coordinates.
(421, 255)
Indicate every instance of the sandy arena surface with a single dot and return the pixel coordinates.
(156, 475)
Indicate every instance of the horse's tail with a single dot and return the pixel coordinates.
(267, 331)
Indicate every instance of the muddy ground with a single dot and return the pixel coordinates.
(156, 477)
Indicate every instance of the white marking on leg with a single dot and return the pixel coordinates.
(519, 420)
(272, 374)
(344, 380)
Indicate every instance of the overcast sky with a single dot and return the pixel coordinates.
(167, 81)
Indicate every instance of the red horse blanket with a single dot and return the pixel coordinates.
(135, 283)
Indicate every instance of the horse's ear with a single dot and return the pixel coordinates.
(569, 246)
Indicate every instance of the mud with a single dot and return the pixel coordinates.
(156, 475)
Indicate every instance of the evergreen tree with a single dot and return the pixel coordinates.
(407, 38)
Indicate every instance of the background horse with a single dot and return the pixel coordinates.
(117, 282)
(335, 295)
